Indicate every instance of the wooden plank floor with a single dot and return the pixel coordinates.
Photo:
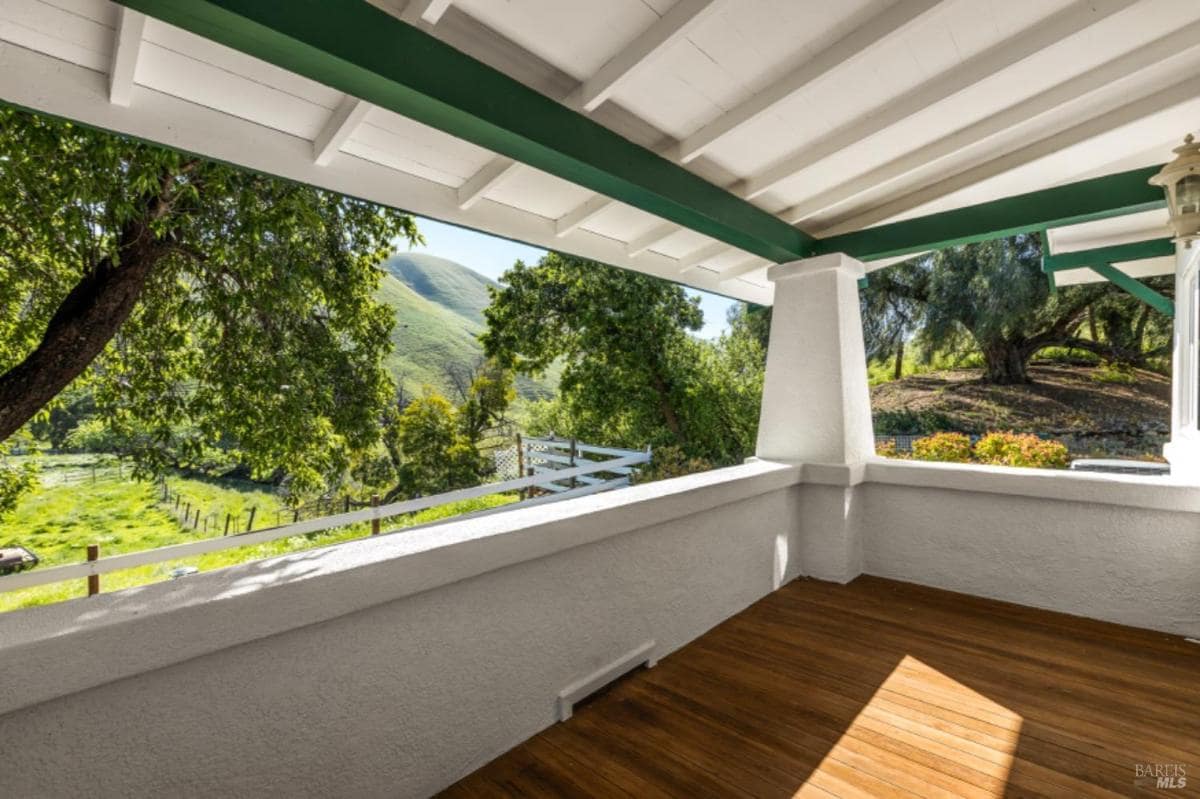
(878, 688)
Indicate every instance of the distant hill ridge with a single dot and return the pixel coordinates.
(439, 314)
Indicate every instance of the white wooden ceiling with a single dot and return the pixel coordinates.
(833, 115)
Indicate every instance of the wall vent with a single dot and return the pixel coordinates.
(585, 687)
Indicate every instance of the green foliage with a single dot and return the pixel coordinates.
(944, 447)
(1114, 372)
(632, 373)
(993, 301)
(443, 282)
(909, 422)
(437, 455)
(887, 448)
(257, 329)
(16, 479)
(668, 462)
(1021, 449)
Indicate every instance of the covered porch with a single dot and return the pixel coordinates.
(877, 688)
(820, 621)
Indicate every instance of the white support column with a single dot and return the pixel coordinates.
(816, 408)
(1183, 451)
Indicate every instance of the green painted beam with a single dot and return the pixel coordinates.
(365, 52)
(1084, 201)
(1119, 253)
(1135, 287)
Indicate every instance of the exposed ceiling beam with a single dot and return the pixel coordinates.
(648, 239)
(1182, 92)
(428, 10)
(341, 126)
(48, 85)
(487, 178)
(669, 29)
(126, 47)
(1115, 254)
(1070, 204)
(706, 253)
(741, 270)
(1052, 99)
(352, 47)
(1066, 23)
(1135, 287)
(572, 220)
(886, 25)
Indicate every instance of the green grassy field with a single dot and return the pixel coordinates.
(86, 500)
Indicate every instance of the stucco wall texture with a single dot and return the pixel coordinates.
(401, 699)
(400, 694)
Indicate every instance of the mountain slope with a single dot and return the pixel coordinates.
(443, 282)
(439, 314)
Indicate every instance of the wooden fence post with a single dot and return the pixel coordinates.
(93, 580)
(346, 504)
(375, 521)
(521, 464)
(574, 482)
(228, 518)
(296, 514)
(250, 521)
(177, 503)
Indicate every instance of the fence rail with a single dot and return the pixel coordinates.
(620, 465)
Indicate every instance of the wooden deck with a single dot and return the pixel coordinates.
(879, 688)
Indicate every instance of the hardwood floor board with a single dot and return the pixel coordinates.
(876, 688)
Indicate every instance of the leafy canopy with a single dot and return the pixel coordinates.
(255, 330)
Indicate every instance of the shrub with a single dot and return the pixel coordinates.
(1114, 373)
(1021, 449)
(670, 461)
(909, 422)
(946, 447)
(886, 448)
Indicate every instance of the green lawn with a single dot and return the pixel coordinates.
(71, 510)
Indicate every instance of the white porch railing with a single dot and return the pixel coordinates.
(565, 477)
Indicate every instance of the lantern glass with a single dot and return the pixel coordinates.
(1187, 194)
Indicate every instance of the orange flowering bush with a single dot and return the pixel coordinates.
(946, 447)
(1021, 449)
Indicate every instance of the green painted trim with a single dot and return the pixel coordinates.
(863, 282)
(1045, 237)
(1084, 201)
(365, 52)
(1134, 251)
(1135, 287)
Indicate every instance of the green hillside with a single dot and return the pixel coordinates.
(442, 281)
(439, 312)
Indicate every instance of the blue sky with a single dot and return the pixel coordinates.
(490, 256)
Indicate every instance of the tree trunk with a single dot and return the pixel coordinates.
(1006, 363)
(84, 323)
(898, 369)
(667, 409)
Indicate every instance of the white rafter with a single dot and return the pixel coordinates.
(490, 176)
(706, 253)
(740, 270)
(428, 10)
(571, 221)
(1182, 92)
(892, 22)
(126, 47)
(649, 239)
(1096, 79)
(1066, 23)
(653, 41)
(341, 125)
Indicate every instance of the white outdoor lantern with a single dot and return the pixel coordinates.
(1180, 180)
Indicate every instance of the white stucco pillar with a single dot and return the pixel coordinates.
(816, 408)
(1183, 451)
